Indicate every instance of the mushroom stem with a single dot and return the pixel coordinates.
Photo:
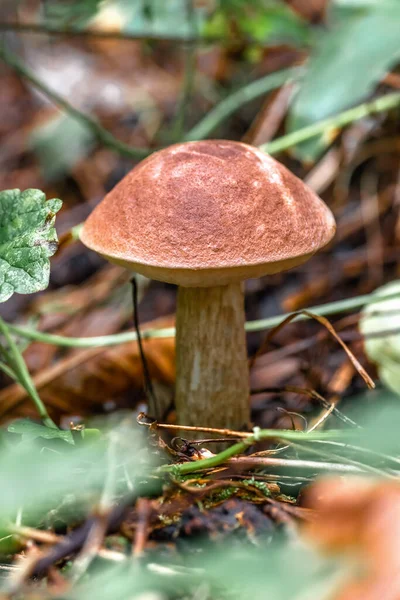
(212, 386)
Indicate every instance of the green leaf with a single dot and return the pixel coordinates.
(348, 62)
(384, 316)
(157, 17)
(67, 13)
(31, 431)
(27, 240)
(143, 17)
(39, 475)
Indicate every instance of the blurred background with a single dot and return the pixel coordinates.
(89, 88)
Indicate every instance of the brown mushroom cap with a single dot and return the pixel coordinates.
(209, 213)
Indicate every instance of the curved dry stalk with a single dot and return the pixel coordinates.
(323, 321)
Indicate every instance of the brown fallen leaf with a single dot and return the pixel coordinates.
(86, 380)
(359, 518)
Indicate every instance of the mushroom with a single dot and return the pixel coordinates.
(207, 215)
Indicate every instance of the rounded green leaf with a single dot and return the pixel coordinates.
(384, 350)
(27, 240)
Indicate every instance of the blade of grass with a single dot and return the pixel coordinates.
(343, 459)
(234, 101)
(338, 121)
(20, 373)
(7, 371)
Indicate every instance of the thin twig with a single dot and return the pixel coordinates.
(142, 419)
(50, 538)
(24, 570)
(338, 384)
(73, 542)
(148, 385)
(355, 362)
(90, 548)
(100, 523)
(323, 321)
(143, 510)
(38, 535)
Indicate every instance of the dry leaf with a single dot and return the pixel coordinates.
(359, 518)
(86, 380)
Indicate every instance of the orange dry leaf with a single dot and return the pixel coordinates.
(359, 518)
(86, 380)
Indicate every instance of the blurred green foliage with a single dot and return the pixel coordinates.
(29, 431)
(349, 58)
(64, 13)
(219, 572)
(263, 21)
(350, 51)
(384, 350)
(40, 468)
(257, 21)
(59, 144)
(52, 483)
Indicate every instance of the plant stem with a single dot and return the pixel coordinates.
(22, 375)
(336, 121)
(47, 29)
(330, 455)
(102, 134)
(263, 434)
(266, 462)
(360, 449)
(130, 336)
(235, 100)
